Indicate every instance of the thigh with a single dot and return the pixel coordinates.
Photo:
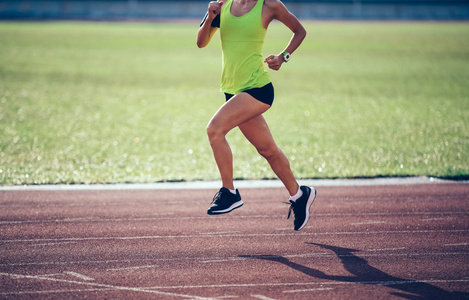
(258, 133)
(240, 109)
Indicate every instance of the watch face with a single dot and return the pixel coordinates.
(286, 57)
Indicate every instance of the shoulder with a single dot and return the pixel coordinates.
(273, 4)
(275, 7)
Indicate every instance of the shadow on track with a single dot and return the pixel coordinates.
(363, 273)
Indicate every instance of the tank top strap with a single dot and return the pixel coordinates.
(258, 7)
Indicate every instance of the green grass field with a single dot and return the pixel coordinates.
(124, 102)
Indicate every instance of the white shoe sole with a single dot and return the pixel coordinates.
(232, 207)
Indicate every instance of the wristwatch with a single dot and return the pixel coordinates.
(286, 56)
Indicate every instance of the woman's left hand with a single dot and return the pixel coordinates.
(274, 61)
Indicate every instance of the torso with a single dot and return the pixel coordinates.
(242, 34)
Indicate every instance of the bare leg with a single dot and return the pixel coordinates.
(258, 133)
(240, 109)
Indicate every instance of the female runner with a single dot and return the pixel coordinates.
(249, 93)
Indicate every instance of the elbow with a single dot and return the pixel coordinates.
(201, 42)
(302, 33)
(299, 32)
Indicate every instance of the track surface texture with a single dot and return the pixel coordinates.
(362, 242)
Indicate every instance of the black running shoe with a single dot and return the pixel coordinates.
(301, 207)
(225, 201)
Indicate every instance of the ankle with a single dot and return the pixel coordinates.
(296, 196)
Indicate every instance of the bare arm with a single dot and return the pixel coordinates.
(281, 13)
(206, 31)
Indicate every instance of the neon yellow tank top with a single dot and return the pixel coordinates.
(242, 39)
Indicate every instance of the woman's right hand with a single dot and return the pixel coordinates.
(214, 8)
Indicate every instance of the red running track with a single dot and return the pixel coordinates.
(362, 242)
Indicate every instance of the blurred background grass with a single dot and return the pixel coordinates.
(128, 102)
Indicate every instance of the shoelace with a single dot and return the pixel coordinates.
(292, 207)
(216, 197)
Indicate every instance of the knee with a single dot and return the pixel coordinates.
(214, 133)
(269, 152)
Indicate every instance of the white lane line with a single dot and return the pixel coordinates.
(447, 214)
(96, 220)
(322, 283)
(309, 255)
(74, 274)
(54, 291)
(364, 254)
(371, 222)
(262, 297)
(218, 233)
(308, 290)
(133, 268)
(437, 219)
(223, 259)
(51, 275)
(113, 287)
(460, 244)
(387, 249)
(80, 276)
(111, 261)
(150, 237)
(54, 244)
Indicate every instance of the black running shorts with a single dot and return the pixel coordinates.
(264, 94)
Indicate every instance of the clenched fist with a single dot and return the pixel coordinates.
(214, 8)
(274, 61)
